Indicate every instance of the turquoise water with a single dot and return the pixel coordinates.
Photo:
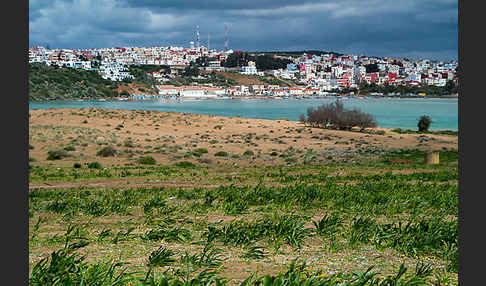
(389, 112)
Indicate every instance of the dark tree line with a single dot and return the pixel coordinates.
(262, 62)
(449, 88)
(372, 68)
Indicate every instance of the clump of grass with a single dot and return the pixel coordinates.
(185, 164)
(254, 252)
(128, 143)
(107, 151)
(70, 148)
(221, 154)
(57, 155)
(94, 165)
(64, 267)
(147, 160)
(201, 151)
(248, 153)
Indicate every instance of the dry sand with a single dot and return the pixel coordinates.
(168, 136)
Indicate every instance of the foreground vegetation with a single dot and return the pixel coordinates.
(372, 223)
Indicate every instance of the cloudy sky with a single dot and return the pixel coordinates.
(396, 28)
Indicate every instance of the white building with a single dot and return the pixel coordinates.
(250, 69)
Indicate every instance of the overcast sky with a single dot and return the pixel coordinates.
(395, 28)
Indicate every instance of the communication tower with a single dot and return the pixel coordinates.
(225, 37)
(197, 36)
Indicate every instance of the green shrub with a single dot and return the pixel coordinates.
(248, 153)
(94, 165)
(107, 151)
(77, 165)
(147, 160)
(221, 154)
(57, 155)
(201, 150)
(31, 147)
(70, 148)
(185, 164)
(32, 159)
(424, 123)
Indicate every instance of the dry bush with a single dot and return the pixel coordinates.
(335, 116)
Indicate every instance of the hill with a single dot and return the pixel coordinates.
(52, 82)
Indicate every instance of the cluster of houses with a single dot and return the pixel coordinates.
(200, 91)
(319, 73)
(331, 71)
(191, 91)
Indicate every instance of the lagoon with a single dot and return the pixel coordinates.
(389, 112)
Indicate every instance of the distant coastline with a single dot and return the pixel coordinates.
(455, 96)
(390, 112)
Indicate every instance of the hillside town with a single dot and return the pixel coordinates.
(311, 73)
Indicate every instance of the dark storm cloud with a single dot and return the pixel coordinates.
(418, 29)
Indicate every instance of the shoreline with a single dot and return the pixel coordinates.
(388, 129)
(300, 97)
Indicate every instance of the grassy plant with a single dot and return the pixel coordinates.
(94, 165)
(185, 164)
(221, 154)
(254, 252)
(107, 151)
(328, 225)
(70, 148)
(57, 154)
(174, 234)
(201, 151)
(147, 160)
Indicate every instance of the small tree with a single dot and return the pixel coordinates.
(424, 123)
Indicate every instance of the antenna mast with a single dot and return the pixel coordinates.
(225, 37)
(197, 36)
